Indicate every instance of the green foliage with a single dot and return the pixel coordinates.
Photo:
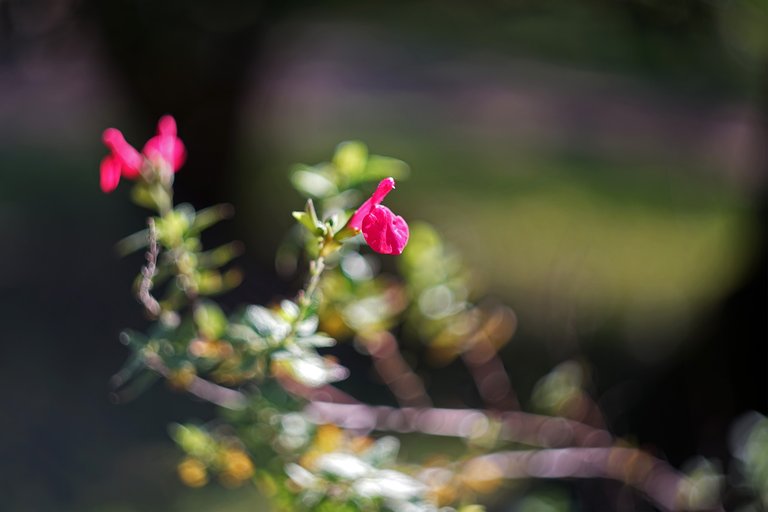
(262, 364)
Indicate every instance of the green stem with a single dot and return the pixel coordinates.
(316, 268)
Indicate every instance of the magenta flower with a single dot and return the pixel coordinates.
(124, 160)
(166, 146)
(385, 232)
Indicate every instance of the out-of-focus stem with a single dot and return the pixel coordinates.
(201, 388)
(519, 427)
(484, 364)
(662, 484)
(592, 457)
(316, 268)
(305, 296)
(148, 272)
(326, 393)
(491, 379)
(396, 373)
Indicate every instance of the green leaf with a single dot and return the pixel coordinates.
(142, 196)
(267, 323)
(311, 183)
(194, 441)
(133, 243)
(134, 340)
(380, 167)
(219, 256)
(172, 227)
(210, 320)
(383, 452)
(350, 158)
(345, 233)
(207, 217)
(316, 340)
(308, 218)
(305, 220)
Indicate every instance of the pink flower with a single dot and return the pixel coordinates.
(385, 232)
(124, 160)
(166, 145)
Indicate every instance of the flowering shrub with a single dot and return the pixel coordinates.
(284, 427)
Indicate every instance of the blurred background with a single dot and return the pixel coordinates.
(601, 165)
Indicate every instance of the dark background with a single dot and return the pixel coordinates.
(601, 164)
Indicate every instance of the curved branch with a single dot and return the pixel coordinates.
(519, 427)
(395, 371)
(201, 388)
(148, 272)
(661, 483)
(482, 359)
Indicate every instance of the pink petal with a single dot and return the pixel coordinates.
(129, 158)
(166, 126)
(166, 145)
(110, 173)
(385, 232)
(384, 188)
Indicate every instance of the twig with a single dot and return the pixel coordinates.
(485, 365)
(491, 379)
(325, 394)
(201, 388)
(660, 482)
(519, 427)
(148, 272)
(396, 373)
(593, 457)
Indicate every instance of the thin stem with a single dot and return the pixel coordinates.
(395, 371)
(484, 364)
(149, 271)
(491, 379)
(661, 483)
(515, 426)
(316, 268)
(201, 388)
(304, 297)
(592, 457)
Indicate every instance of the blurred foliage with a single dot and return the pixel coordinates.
(262, 365)
(660, 241)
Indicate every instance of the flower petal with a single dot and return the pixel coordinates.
(166, 145)
(129, 158)
(166, 126)
(110, 173)
(385, 186)
(385, 232)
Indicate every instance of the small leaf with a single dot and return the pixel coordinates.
(380, 167)
(317, 340)
(305, 220)
(194, 441)
(132, 243)
(210, 320)
(134, 340)
(383, 452)
(345, 233)
(207, 217)
(141, 195)
(267, 323)
(220, 256)
(172, 227)
(290, 309)
(351, 158)
(308, 326)
(308, 368)
(313, 184)
(187, 211)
